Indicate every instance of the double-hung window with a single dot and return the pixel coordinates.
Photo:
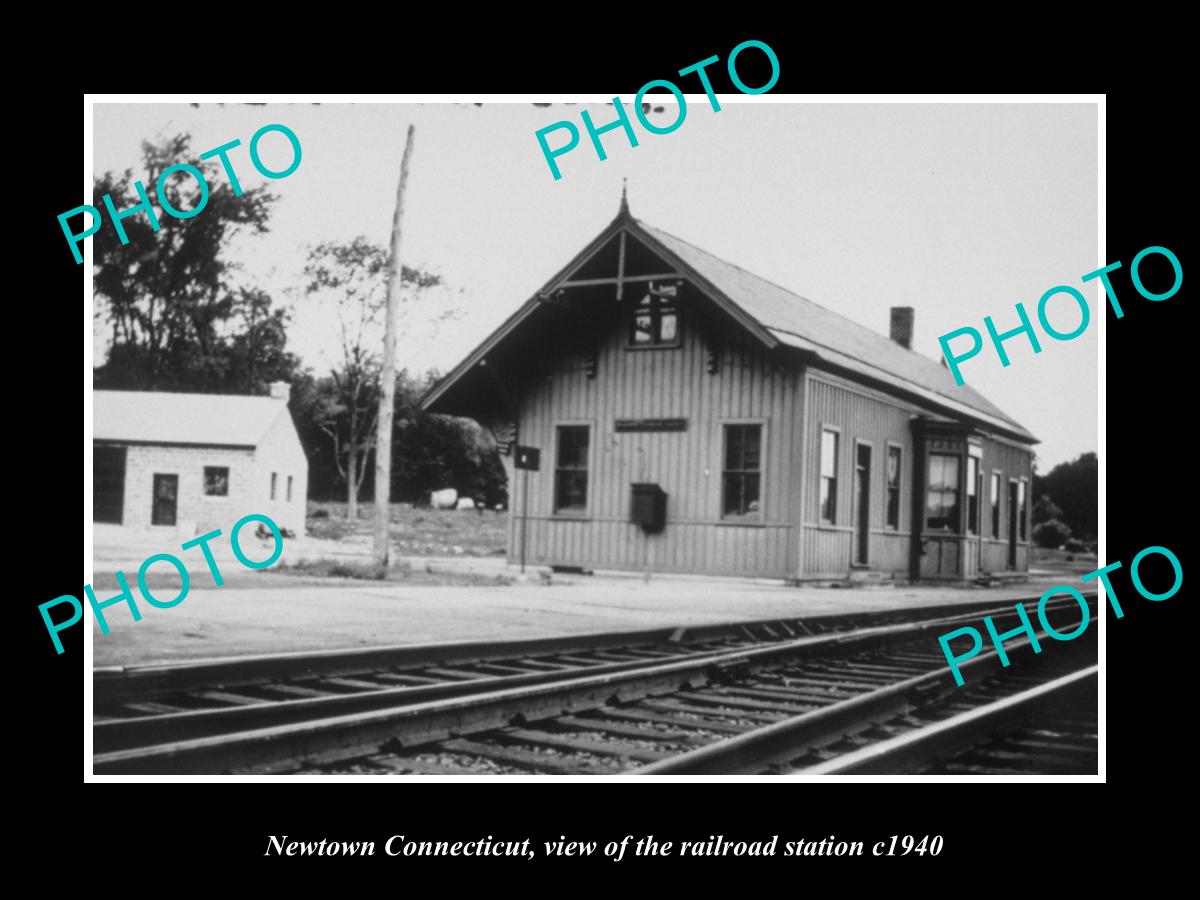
(996, 504)
(829, 475)
(973, 489)
(893, 488)
(571, 469)
(741, 476)
(941, 496)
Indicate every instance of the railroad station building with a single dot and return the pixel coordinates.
(685, 415)
(195, 462)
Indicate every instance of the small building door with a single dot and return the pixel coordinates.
(862, 503)
(166, 494)
(108, 484)
(1012, 524)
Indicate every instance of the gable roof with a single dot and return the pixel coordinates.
(160, 417)
(799, 322)
(777, 317)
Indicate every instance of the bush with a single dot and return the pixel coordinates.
(320, 513)
(1051, 534)
(1076, 546)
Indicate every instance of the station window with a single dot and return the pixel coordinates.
(571, 470)
(1022, 510)
(274, 484)
(995, 504)
(741, 478)
(216, 481)
(289, 489)
(893, 488)
(973, 488)
(829, 467)
(656, 319)
(941, 497)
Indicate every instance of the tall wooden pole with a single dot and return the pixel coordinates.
(387, 376)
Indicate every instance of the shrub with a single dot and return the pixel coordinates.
(1075, 546)
(1051, 534)
(320, 513)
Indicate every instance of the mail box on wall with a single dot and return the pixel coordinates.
(648, 507)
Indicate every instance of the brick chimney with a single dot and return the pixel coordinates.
(281, 390)
(902, 326)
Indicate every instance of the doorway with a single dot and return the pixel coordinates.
(1012, 524)
(108, 484)
(166, 494)
(862, 503)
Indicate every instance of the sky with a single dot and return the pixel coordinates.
(958, 210)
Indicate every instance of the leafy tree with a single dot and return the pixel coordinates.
(1045, 509)
(430, 451)
(177, 318)
(434, 451)
(1051, 534)
(1074, 486)
(351, 277)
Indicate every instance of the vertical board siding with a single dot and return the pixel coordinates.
(829, 550)
(1013, 462)
(861, 416)
(660, 383)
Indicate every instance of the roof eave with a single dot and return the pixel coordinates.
(623, 220)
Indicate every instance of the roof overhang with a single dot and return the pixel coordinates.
(863, 368)
(119, 442)
(770, 338)
(622, 223)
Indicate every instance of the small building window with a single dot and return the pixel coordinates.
(571, 471)
(941, 497)
(655, 319)
(1022, 511)
(973, 489)
(893, 488)
(274, 484)
(289, 489)
(829, 466)
(741, 478)
(996, 504)
(216, 481)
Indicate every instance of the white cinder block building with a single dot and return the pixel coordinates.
(196, 461)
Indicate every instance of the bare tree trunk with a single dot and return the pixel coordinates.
(387, 377)
(352, 483)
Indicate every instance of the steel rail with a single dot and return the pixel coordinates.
(115, 683)
(126, 733)
(943, 739)
(779, 742)
(283, 746)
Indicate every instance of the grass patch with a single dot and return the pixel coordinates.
(416, 531)
(401, 572)
(166, 586)
(1062, 562)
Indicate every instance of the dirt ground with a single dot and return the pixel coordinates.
(233, 621)
(321, 595)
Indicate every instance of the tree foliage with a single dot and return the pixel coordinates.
(429, 451)
(1073, 487)
(351, 277)
(1051, 534)
(177, 317)
(1045, 509)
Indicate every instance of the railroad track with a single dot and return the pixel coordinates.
(602, 704)
(150, 704)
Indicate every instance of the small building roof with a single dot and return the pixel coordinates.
(160, 417)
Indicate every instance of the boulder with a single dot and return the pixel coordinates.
(444, 499)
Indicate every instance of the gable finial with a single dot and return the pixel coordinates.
(624, 198)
